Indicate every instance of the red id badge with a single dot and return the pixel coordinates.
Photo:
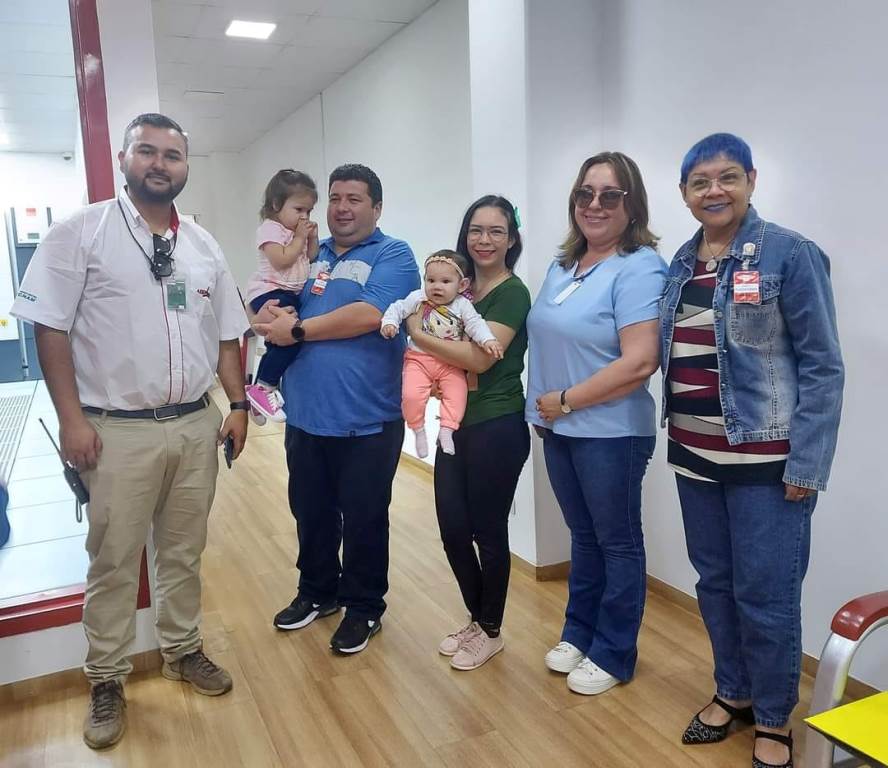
(320, 283)
(747, 287)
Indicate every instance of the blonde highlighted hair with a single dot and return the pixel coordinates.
(629, 179)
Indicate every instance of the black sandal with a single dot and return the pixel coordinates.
(786, 741)
(699, 732)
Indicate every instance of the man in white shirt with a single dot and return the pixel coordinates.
(135, 312)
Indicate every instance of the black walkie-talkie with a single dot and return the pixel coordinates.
(72, 476)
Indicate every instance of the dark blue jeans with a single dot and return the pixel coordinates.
(750, 548)
(340, 489)
(597, 482)
(276, 359)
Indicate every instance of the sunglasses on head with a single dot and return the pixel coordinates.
(162, 260)
(607, 198)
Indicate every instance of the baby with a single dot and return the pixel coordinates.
(446, 315)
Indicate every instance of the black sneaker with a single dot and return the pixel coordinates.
(302, 612)
(354, 633)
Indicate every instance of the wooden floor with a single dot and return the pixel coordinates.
(397, 703)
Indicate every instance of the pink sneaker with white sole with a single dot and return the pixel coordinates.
(268, 402)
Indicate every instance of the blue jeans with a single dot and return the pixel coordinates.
(276, 359)
(750, 548)
(597, 482)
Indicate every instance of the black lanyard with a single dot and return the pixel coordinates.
(151, 263)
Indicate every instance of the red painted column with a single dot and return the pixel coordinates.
(91, 95)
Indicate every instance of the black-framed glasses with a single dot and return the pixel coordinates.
(607, 198)
(162, 260)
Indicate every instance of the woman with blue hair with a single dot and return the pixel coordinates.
(752, 389)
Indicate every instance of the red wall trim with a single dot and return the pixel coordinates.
(57, 607)
(91, 95)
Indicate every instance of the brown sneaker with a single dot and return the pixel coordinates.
(105, 720)
(195, 668)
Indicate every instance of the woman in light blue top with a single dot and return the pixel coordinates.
(593, 341)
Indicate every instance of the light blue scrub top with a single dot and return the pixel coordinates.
(570, 341)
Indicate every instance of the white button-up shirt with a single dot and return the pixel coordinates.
(131, 350)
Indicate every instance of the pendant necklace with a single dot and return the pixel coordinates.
(714, 258)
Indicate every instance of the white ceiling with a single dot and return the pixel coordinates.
(225, 92)
(228, 92)
(38, 95)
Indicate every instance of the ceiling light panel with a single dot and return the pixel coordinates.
(255, 30)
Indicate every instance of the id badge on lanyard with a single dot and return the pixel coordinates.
(176, 293)
(573, 286)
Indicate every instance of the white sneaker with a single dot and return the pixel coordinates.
(590, 679)
(564, 658)
(258, 419)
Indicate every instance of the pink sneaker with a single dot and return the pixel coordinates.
(453, 642)
(476, 650)
(268, 402)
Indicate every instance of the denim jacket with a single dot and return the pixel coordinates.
(779, 362)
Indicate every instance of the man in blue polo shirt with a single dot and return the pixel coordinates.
(343, 403)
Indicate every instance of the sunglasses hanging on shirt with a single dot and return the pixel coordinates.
(161, 261)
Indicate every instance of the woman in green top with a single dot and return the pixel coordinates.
(475, 486)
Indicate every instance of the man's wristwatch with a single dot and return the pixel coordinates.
(298, 331)
(565, 408)
(241, 405)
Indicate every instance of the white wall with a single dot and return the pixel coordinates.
(803, 83)
(564, 127)
(34, 654)
(129, 66)
(43, 180)
(499, 109)
(404, 111)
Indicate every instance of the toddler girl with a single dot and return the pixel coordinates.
(447, 315)
(287, 241)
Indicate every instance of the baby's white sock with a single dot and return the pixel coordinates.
(445, 438)
(422, 442)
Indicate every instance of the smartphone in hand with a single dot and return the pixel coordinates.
(228, 450)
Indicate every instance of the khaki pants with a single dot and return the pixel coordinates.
(160, 473)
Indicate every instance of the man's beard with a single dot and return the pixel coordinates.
(141, 189)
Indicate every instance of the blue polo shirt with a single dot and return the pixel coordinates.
(350, 387)
(571, 340)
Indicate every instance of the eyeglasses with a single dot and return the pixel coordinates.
(162, 261)
(607, 198)
(727, 182)
(494, 234)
